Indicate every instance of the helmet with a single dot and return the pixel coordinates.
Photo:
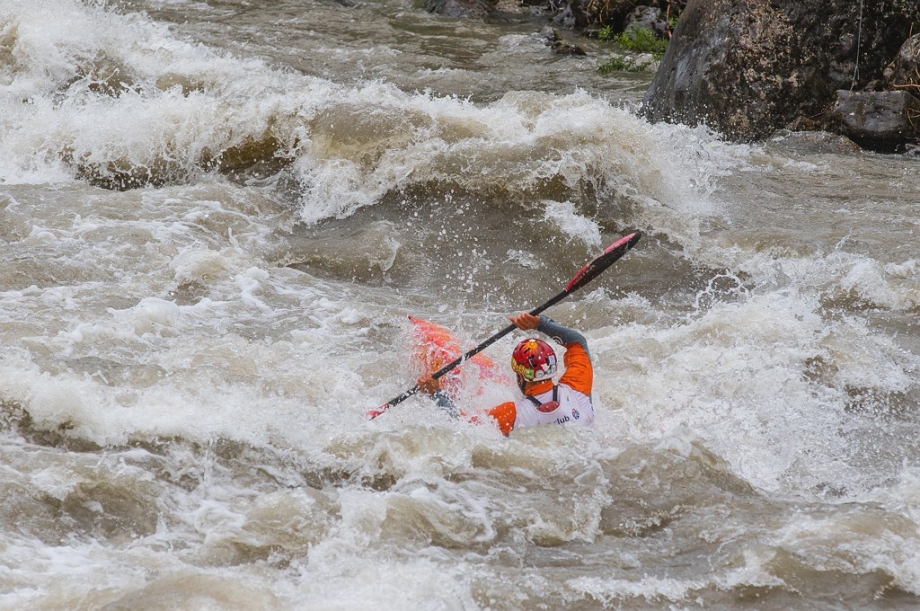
(533, 360)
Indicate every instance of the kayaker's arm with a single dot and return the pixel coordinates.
(562, 334)
(432, 387)
(546, 325)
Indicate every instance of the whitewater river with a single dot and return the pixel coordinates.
(215, 218)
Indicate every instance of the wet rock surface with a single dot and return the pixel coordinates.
(747, 68)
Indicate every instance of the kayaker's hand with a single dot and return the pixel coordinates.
(428, 385)
(525, 321)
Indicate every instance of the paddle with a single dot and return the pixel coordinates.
(586, 274)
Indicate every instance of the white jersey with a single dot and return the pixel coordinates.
(574, 408)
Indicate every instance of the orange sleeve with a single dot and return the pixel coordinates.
(578, 371)
(504, 414)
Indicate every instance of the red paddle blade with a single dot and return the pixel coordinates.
(377, 412)
(598, 264)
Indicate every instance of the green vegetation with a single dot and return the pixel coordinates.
(622, 64)
(633, 40)
(616, 64)
(640, 40)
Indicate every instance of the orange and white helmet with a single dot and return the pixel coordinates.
(533, 360)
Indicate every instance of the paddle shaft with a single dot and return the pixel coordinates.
(587, 273)
(474, 351)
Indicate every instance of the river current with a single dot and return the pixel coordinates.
(215, 219)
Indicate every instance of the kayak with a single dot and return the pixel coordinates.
(432, 346)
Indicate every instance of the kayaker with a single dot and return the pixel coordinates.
(534, 363)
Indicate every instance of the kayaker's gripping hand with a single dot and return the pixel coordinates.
(428, 384)
(525, 321)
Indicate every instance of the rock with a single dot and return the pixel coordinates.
(601, 12)
(749, 67)
(809, 143)
(514, 9)
(904, 71)
(881, 120)
(569, 14)
(649, 18)
(559, 45)
(477, 9)
(629, 62)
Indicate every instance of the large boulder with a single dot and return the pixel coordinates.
(749, 67)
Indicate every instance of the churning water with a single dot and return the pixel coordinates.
(215, 218)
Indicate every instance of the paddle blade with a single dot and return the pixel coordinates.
(598, 264)
(377, 412)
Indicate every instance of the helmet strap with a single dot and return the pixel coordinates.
(522, 383)
(549, 406)
(535, 388)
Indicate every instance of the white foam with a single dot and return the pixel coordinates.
(519, 141)
(733, 375)
(578, 227)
